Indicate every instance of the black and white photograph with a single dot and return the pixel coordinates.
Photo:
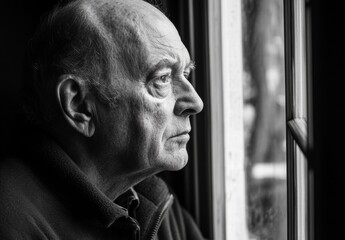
(172, 120)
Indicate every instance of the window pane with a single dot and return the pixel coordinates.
(264, 119)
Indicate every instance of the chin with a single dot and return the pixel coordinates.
(175, 161)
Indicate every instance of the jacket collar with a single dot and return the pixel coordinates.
(155, 201)
(81, 195)
(130, 201)
(70, 183)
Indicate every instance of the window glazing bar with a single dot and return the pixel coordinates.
(298, 129)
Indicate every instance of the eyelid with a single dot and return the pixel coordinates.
(160, 72)
(171, 69)
(187, 72)
(159, 84)
(160, 81)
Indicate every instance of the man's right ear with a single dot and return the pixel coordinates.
(75, 104)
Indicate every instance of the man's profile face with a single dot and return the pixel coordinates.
(149, 125)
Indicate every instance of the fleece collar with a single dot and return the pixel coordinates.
(156, 200)
(81, 195)
(70, 183)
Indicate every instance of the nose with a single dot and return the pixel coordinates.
(188, 101)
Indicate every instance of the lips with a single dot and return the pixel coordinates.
(181, 137)
(182, 133)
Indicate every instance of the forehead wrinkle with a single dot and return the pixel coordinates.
(179, 54)
(173, 63)
(121, 26)
(128, 24)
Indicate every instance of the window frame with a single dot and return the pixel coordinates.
(226, 115)
(316, 135)
(298, 117)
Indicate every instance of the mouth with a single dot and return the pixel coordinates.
(181, 137)
(183, 133)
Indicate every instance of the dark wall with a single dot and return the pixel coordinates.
(327, 153)
(18, 21)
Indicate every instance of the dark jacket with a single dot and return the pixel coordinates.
(44, 195)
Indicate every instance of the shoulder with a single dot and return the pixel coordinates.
(16, 179)
(19, 217)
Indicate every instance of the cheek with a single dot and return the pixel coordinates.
(151, 124)
(155, 121)
(119, 133)
(149, 121)
(155, 114)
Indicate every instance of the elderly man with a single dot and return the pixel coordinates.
(110, 102)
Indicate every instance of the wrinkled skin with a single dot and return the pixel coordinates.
(146, 130)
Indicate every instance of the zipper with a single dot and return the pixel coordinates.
(159, 220)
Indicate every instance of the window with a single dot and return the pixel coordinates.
(313, 51)
(264, 118)
(247, 116)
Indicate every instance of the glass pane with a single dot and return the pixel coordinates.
(264, 119)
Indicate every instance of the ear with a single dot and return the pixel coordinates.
(74, 104)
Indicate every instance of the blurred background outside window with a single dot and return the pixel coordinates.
(264, 119)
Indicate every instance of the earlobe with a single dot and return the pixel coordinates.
(75, 105)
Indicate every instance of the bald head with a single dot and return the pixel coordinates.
(101, 41)
(133, 28)
(122, 25)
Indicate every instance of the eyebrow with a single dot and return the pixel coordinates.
(170, 64)
(167, 63)
(191, 65)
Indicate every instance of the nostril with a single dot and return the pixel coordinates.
(188, 112)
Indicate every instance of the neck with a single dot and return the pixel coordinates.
(105, 173)
(111, 182)
(117, 184)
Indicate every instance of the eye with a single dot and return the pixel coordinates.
(164, 79)
(161, 84)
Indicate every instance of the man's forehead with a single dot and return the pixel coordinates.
(162, 41)
(135, 17)
(126, 8)
(149, 29)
